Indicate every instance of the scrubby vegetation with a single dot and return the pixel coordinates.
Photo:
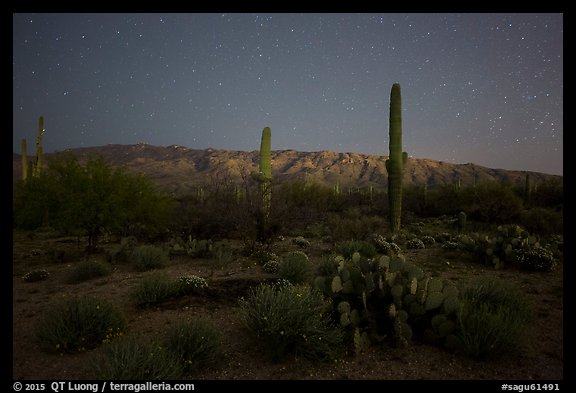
(78, 324)
(347, 280)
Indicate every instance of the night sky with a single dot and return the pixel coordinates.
(480, 88)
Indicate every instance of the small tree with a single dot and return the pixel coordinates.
(91, 199)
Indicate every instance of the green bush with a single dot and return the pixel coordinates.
(91, 198)
(415, 244)
(492, 202)
(190, 284)
(289, 319)
(535, 259)
(352, 225)
(493, 317)
(300, 241)
(271, 266)
(87, 270)
(542, 221)
(428, 240)
(154, 288)
(294, 267)
(135, 358)
(263, 255)
(148, 257)
(196, 343)
(77, 324)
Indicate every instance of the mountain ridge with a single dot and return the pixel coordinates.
(180, 170)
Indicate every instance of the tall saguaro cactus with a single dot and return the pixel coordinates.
(397, 159)
(38, 164)
(265, 174)
(528, 188)
(24, 160)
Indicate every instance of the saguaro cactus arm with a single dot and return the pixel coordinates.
(24, 160)
(38, 164)
(265, 155)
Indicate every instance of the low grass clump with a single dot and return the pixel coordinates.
(78, 324)
(135, 358)
(493, 317)
(87, 270)
(156, 287)
(288, 319)
(197, 343)
(148, 257)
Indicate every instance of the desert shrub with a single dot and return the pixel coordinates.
(415, 244)
(347, 248)
(91, 198)
(294, 267)
(550, 193)
(77, 324)
(353, 226)
(148, 257)
(301, 242)
(271, 266)
(154, 288)
(443, 237)
(450, 245)
(291, 319)
(196, 343)
(428, 240)
(36, 275)
(493, 317)
(135, 358)
(493, 202)
(315, 231)
(536, 259)
(87, 270)
(542, 221)
(262, 255)
(190, 284)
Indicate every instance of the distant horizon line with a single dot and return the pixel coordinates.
(283, 150)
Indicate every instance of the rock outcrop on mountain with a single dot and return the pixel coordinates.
(178, 170)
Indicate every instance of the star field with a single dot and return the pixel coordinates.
(480, 88)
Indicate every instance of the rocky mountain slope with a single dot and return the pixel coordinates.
(179, 170)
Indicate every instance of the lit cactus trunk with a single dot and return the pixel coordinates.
(397, 159)
(38, 165)
(528, 188)
(266, 172)
(24, 160)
